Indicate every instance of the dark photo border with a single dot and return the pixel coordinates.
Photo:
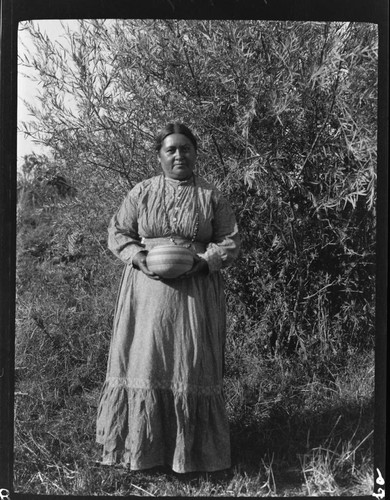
(14, 11)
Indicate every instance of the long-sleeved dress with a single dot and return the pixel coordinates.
(162, 401)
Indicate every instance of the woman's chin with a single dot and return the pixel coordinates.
(180, 173)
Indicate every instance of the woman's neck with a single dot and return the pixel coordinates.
(189, 178)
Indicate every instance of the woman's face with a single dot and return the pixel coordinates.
(177, 156)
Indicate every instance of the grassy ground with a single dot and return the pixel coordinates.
(298, 426)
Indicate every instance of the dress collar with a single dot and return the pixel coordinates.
(177, 182)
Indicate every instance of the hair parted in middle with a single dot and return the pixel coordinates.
(174, 128)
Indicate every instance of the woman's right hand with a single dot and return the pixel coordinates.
(139, 262)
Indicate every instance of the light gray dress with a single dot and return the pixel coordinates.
(162, 401)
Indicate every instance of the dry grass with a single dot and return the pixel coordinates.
(299, 426)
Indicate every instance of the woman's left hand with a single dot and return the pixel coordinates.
(200, 267)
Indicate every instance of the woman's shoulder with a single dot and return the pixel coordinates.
(145, 185)
(205, 185)
(215, 195)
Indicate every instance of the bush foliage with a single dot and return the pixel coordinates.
(285, 113)
(286, 116)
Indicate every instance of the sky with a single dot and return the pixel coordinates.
(27, 89)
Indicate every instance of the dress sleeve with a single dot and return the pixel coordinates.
(123, 238)
(225, 244)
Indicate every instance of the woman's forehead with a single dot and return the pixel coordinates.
(176, 140)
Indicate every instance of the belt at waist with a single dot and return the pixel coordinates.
(196, 246)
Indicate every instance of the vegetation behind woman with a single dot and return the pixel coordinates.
(288, 113)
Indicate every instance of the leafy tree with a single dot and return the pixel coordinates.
(286, 115)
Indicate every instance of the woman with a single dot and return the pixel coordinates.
(162, 401)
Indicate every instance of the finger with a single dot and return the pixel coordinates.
(153, 276)
(192, 271)
(146, 271)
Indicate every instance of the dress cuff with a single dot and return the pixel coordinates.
(213, 259)
(126, 254)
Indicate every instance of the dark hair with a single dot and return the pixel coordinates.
(174, 128)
